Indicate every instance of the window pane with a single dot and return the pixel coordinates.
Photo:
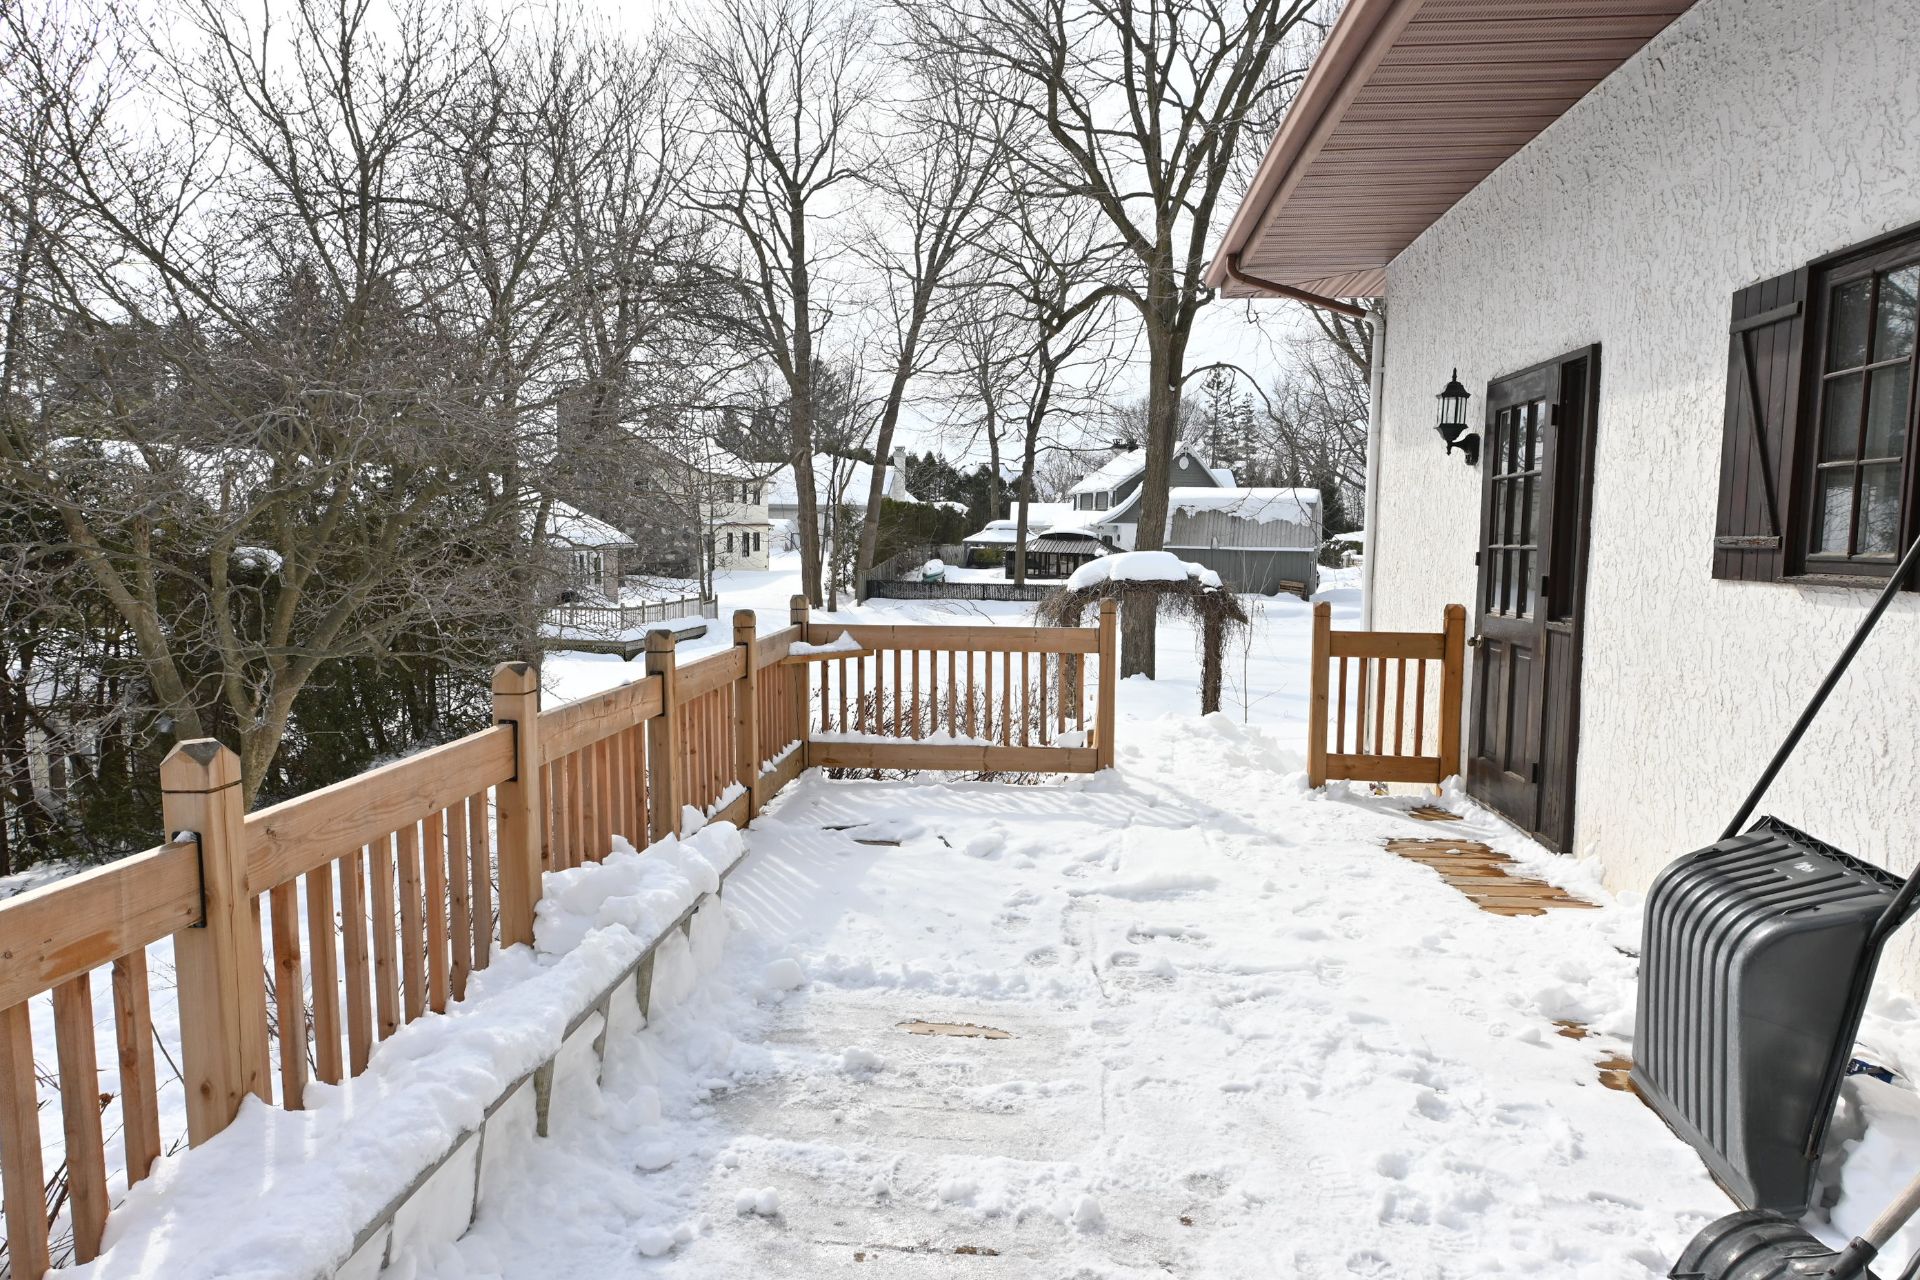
(1525, 585)
(1893, 321)
(1499, 531)
(1879, 507)
(1835, 510)
(1847, 326)
(1496, 561)
(1887, 413)
(1840, 417)
(1530, 449)
(1530, 529)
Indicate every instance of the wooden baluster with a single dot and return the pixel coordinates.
(953, 684)
(321, 940)
(433, 838)
(480, 838)
(986, 706)
(1340, 719)
(616, 787)
(139, 1092)
(1026, 701)
(1400, 709)
(1045, 737)
(1006, 698)
(353, 923)
(1452, 679)
(894, 729)
(843, 692)
(413, 942)
(80, 1114)
(386, 975)
(913, 703)
(21, 1164)
(459, 900)
(1108, 692)
(1380, 711)
(290, 994)
(1420, 707)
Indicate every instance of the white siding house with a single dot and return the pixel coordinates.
(1681, 295)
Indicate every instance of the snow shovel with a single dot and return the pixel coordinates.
(1759, 1244)
(1758, 955)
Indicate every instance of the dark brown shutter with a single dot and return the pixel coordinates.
(1758, 445)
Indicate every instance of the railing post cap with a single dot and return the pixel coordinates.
(745, 624)
(516, 677)
(660, 640)
(1108, 606)
(1323, 609)
(199, 764)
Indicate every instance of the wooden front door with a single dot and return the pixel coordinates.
(1537, 457)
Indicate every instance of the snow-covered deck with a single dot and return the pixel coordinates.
(1243, 1040)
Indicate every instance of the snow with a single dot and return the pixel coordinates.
(1141, 566)
(569, 524)
(844, 643)
(1261, 506)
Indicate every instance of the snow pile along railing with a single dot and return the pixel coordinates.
(980, 699)
(1383, 711)
(305, 933)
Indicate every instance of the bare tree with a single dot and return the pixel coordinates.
(784, 87)
(933, 189)
(1145, 109)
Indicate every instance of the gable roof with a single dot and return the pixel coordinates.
(1122, 467)
(569, 524)
(1409, 106)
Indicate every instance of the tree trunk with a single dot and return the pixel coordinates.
(1137, 611)
(1212, 642)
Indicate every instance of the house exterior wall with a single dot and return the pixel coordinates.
(1250, 556)
(1748, 138)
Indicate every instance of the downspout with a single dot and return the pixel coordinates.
(1377, 317)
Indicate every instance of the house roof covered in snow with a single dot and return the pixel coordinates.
(569, 524)
(1376, 146)
(1261, 506)
(1122, 467)
(1042, 517)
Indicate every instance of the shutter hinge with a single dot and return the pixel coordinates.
(1476, 559)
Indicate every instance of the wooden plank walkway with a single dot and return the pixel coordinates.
(1485, 877)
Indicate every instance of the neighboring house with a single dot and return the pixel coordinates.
(994, 544)
(1114, 487)
(1676, 271)
(1260, 541)
(740, 533)
(597, 554)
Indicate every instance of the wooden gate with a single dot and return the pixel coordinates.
(1371, 718)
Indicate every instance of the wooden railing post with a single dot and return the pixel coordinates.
(746, 711)
(797, 615)
(1104, 726)
(663, 741)
(222, 990)
(1317, 706)
(1453, 670)
(516, 701)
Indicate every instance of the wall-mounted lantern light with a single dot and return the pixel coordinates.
(1453, 421)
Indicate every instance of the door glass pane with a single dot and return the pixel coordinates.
(1834, 501)
(1530, 449)
(1893, 319)
(1879, 507)
(1887, 413)
(1496, 578)
(1524, 585)
(1840, 417)
(1497, 532)
(1847, 325)
(1530, 504)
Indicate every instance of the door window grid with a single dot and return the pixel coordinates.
(1513, 539)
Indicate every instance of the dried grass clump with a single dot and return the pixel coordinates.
(1217, 610)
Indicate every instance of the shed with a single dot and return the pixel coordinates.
(1056, 554)
(1260, 540)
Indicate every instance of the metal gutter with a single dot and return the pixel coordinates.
(1278, 290)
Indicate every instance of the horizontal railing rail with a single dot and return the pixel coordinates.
(615, 619)
(307, 932)
(1379, 692)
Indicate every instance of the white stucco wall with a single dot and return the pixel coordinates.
(1750, 137)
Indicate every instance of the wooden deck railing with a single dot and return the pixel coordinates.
(1371, 692)
(306, 932)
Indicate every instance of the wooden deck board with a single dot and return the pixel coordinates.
(1482, 876)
